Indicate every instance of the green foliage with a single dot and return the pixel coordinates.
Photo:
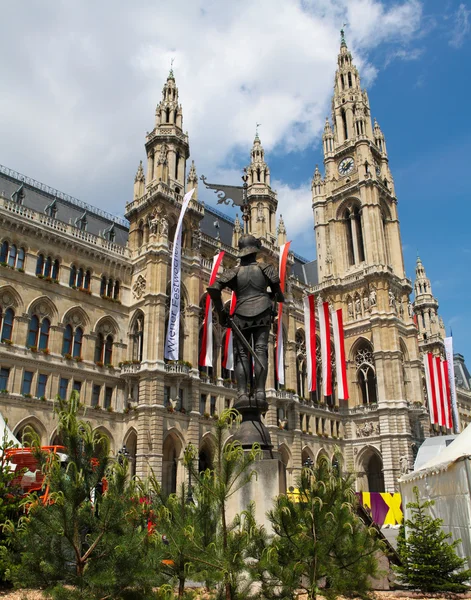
(429, 561)
(319, 539)
(96, 543)
(220, 548)
(10, 497)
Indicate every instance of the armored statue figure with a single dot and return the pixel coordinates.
(256, 286)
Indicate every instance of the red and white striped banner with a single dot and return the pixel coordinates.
(310, 329)
(431, 387)
(206, 350)
(340, 363)
(446, 395)
(438, 390)
(228, 356)
(324, 328)
(279, 365)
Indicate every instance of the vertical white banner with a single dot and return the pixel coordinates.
(172, 341)
(451, 381)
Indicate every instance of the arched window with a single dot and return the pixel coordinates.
(103, 286)
(349, 79)
(140, 234)
(108, 350)
(67, 341)
(366, 375)
(109, 289)
(73, 276)
(48, 267)
(55, 269)
(354, 235)
(99, 348)
(86, 282)
(345, 126)
(349, 234)
(77, 350)
(116, 290)
(167, 115)
(33, 331)
(4, 252)
(177, 159)
(44, 334)
(40, 264)
(7, 324)
(138, 338)
(342, 81)
(12, 256)
(80, 278)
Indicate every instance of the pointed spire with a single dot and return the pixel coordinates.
(139, 173)
(342, 37)
(317, 177)
(327, 127)
(192, 176)
(139, 182)
(281, 231)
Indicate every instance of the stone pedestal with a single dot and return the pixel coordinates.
(261, 490)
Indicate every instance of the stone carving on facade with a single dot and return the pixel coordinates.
(7, 300)
(401, 308)
(366, 302)
(164, 226)
(404, 464)
(350, 308)
(139, 287)
(433, 318)
(392, 299)
(162, 160)
(366, 429)
(410, 309)
(357, 307)
(372, 297)
(260, 215)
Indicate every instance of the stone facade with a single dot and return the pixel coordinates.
(84, 300)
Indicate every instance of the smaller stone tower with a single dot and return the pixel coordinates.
(260, 197)
(430, 325)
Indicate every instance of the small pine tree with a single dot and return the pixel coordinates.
(320, 544)
(81, 544)
(429, 561)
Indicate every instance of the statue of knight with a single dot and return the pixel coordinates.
(256, 286)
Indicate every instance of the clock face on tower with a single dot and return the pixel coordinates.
(346, 166)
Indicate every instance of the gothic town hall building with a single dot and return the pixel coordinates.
(84, 304)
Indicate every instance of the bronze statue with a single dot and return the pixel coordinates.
(256, 286)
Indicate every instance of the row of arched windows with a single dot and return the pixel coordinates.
(109, 288)
(12, 256)
(39, 332)
(47, 267)
(79, 278)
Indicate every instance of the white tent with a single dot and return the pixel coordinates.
(4, 428)
(446, 479)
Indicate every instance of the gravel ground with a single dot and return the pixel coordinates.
(36, 595)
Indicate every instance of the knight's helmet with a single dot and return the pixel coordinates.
(248, 244)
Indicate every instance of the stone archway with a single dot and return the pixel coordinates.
(130, 442)
(206, 454)
(171, 453)
(283, 465)
(370, 471)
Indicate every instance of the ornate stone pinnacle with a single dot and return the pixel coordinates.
(139, 173)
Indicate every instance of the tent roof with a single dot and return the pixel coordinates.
(457, 450)
(4, 427)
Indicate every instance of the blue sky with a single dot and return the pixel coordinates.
(81, 81)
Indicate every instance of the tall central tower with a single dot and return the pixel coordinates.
(361, 269)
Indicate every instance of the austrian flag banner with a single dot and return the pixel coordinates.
(172, 341)
(279, 365)
(431, 387)
(310, 329)
(340, 363)
(206, 352)
(324, 328)
(228, 356)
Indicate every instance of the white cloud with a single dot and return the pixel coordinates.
(81, 81)
(461, 26)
